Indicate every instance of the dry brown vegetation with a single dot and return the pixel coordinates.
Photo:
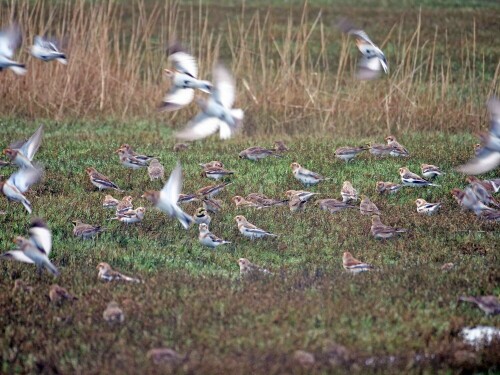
(293, 67)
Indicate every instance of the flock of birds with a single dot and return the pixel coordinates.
(217, 114)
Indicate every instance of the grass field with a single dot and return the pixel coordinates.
(193, 299)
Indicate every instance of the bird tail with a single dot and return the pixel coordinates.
(62, 59)
(237, 114)
(435, 185)
(184, 218)
(19, 69)
(51, 268)
(204, 86)
(27, 204)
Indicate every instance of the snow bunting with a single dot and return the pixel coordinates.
(306, 176)
(257, 153)
(178, 147)
(279, 146)
(10, 40)
(212, 190)
(333, 205)
(373, 61)
(296, 204)
(85, 231)
(184, 79)
(348, 192)
(125, 204)
(165, 356)
(156, 170)
(380, 150)
(217, 112)
(349, 153)
(187, 198)
(58, 294)
(242, 202)
(353, 265)
(430, 171)
(423, 207)
(387, 187)
(106, 273)
(411, 179)
(383, 232)
(100, 181)
(483, 194)
(212, 205)
(247, 268)
(212, 164)
(126, 148)
(488, 157)
(130, 161)
(398, 148)
(302, 194)
(367, 207)
(47, 50)
(263, 201)
(110, 202)
(216, 173)
(493, 186)
(468, 200)
(19, 183)
(209, 239)
(166, 199)
(22, 153)
(130, 216)
(489, 304)
(113, 313)
(251, 231)
(202, 217)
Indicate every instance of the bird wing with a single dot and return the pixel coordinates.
(369, 68)
(10, 40)
(224, 92)
(172, 188)
(183, 61)
(41, 237)
(176, 98)
(31, 146)
(200, 127)
(24, 178)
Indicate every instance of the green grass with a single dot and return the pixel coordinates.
(193, 299)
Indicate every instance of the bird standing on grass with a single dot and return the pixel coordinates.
(130, 216)
(489, 304)
(353, 265)
(106, 273)
(383, 232)
(333, 205)
(387, 187)
(307, 177)
(348, 192)
(58, 294)
(424, 207)
(86, 231)
(208, 239)
(113, 313)
(101, 181)
(409, 178)
(430, 171)
(156, 170)
(247, 268)
(349, 153)
(256, 153)
(367, 207)
(251, 231)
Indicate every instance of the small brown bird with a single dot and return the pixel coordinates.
(124, 205)
(216, 173)
(367, 207)
(58, 294)
(257, 153)
(178, 147)
(279, 146)
(306, 176)
(381, 231)
(399, 150)
(212, 190)
(447, 266)
(156, 170)
(113, 313)
(241, 202)
(165, 356)
(493, 186)
(86, 231)
(348, 192)
(212, 164)
(106, 273)
(489, 304)
(353, 265)
(333, 205)
(110, 202)
(380, 150)
(264, 201)
(101, 181)
(212, 205)
(387, 187)
(430, 171)
(187, 198)
(296, 204)
(247, 268)
(302, 194)
(349, 153)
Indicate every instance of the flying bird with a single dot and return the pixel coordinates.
(47, 50)
(10, 40)
(22, 153)
(216, 112)
(19, 183)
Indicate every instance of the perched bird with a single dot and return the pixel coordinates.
(19, 183)
(217, 112)
(333, 205)
(489, 304)
(47, 50)
(349, 153)
(85, 231)
(21, 153)
(130, 216)
(242, 202)
(178, 147)
(383, 232)
(212, 190)
(251, 231)
(110, 202)
(279, 146)
(367, 207)
(430, 171)
(212, 164)
(296, 204)
(202, 217)
(58, 294)
(423, 207)
(10, 40)
(353, 265)
(166, 199)
(411, 179)
(249, 269)
(257, 153)
(398, 148)
(373, 60)
(348, 192)
(156, 170)
(302, 194)
(216, 173)
(209, 239)
(263, 201)
(387, 187)
(380, 150)
(488, 157)
(212, 205)
(493, 186)
(36, 249)
(125, 204)
(126, 148)
(113, 313)
(306, 176)
(106, 273)
(130, 161)
(100, 181)
(184, 79)
(187, 198)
